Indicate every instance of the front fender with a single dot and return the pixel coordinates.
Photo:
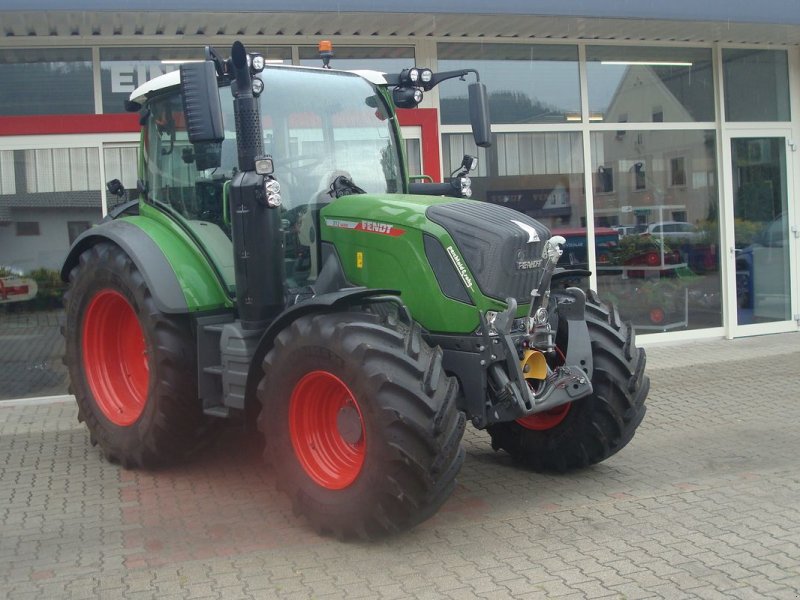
(177, 275)
(321, 303)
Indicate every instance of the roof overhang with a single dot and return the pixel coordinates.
(730, 11)
(164, 26)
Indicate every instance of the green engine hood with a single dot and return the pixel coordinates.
(380, 239)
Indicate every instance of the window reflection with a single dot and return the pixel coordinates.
(756, 85)
(27, 73)
(656, 226)
(526, 84)
(650, 85)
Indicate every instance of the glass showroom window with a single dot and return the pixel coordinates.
(656, 226)
(48, 196)
(756, 85)
(122, 70)
(630, 84)
(526, 83)
(46, 82)
(385, 59)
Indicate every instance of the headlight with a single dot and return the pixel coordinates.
(264, 166)
(272, 194)
(258, 86)
(257, 63)
(466, 187)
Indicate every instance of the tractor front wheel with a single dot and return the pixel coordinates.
(132, 368)
(360, 423)
(589, 430)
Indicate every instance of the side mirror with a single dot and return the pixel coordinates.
(479, 114)
(116, 188)
(201, 103)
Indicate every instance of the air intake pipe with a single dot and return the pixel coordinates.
(256, 226)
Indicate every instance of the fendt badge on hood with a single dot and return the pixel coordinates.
(523, 263)
(533, 236)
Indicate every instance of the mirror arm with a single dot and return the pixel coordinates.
(444, 76)
(394, 79)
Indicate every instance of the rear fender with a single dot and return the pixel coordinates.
(182, 283)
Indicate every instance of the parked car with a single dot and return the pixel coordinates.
(673, 230)
(623, 230)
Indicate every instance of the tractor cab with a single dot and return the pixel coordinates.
(318, 125)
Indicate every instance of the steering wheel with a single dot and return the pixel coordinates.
(299, 161)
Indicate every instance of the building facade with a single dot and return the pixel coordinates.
(660, 141)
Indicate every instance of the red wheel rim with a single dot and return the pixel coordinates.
(545, 420)
(652, 259)
(315, 407)
(115, 357)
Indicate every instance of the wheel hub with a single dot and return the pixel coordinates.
(348, 422)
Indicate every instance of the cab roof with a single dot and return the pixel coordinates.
(173, 79)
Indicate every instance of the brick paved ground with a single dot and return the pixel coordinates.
(704, 503)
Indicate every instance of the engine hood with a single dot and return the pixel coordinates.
(401, 210)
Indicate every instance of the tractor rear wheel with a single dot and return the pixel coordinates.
(589, 430)
(360, 423)
(132, 368)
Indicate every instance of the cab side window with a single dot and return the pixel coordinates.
(189, 179)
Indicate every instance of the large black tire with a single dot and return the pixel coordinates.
(599, 425)
(132, 368)
(392, 461)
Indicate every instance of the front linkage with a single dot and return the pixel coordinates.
(510, 369)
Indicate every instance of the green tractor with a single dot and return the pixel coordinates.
(279, 268)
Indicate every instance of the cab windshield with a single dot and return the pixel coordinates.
(318, 125)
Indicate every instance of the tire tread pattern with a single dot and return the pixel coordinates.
(172, 423)
(415, 414)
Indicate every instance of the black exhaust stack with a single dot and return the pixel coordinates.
(256, 227)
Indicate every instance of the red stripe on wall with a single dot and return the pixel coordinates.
(69, 124)
(428, 120)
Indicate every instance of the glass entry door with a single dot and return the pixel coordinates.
(763, 232)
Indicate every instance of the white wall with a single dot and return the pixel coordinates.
(49, 248)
